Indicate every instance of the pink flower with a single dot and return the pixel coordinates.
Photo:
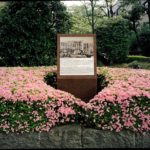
(126, 87)
(66, 111)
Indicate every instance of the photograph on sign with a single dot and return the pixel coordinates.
(76, 55)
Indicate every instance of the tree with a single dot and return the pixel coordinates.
(109, 7)
(138, 9)
(113, 40)
(96, 9)
(79, 19)
(92, 13)
(146, 4)
(28, 32)
(134, 16)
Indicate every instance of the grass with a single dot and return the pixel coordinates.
(140, 65)
(138, 58)
(133, 61)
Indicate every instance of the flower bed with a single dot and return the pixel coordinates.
(125, 102)
(27, 103)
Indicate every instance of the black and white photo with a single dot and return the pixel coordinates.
(76, 55)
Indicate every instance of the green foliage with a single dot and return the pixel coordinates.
(113, 40)
(144, 65)
(134, 65)
(79, 20)
(112, 109)
(139, 42)
(134, 16)
(20, 116)
(101, 82)
(28, 32)
(142, 45)
(134, 45)
(135, 61)
(135, 13)
(144, 38)
(51, 79)
(100, 63)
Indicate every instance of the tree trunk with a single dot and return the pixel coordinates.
(108, 13)
(92, 6)
(111, 11)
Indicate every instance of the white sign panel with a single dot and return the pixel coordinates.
(76, 56)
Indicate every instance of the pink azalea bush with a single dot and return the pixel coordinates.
(27, 103)
(125, 102)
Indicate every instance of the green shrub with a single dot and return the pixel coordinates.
(115, 114)
(28, 32)
(20, 117)
(113, 39)
(134, 65)
(101, 82)
(51, 79)
(134, 46)
(144, 38)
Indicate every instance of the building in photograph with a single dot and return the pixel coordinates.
(76, 49)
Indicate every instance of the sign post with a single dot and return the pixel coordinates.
(76, 62)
